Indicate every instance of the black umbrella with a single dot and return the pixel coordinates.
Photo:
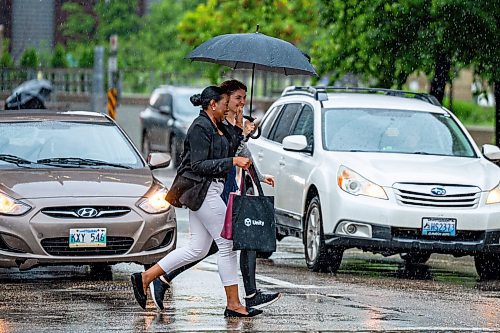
(31, 94)
(254, 51)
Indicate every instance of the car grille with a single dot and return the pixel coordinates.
(72, 211)
(416, 234)
(60, 247)
(421, 195)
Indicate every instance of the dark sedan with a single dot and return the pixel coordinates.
(165, 121)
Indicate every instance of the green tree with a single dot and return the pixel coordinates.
(388, 40)
(80, 26)
(29, 58)
(293, 21)
(117, 17)
(59, 57)
(5, 58)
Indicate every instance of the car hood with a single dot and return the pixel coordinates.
(387, 169)
(49, 183)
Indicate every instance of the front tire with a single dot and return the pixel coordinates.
(413, 258)
(487, 266)
(319, 257)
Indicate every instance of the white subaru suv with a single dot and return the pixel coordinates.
(386, 171)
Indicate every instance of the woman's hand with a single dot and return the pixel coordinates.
(269, 180)
(248, 128)
(242, 162)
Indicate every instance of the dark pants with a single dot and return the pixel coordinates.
(248, 259)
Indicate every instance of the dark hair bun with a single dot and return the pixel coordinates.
(196, 99)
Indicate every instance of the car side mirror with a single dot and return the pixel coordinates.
(166, 109)
(295, 143)
(158, 160)
(491, 152)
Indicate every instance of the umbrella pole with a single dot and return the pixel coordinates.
(251, 93)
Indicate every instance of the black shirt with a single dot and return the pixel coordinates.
(206, 152)
(234, 134)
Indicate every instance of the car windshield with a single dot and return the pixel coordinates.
(183, 108)
(394, 131)
(68, 144)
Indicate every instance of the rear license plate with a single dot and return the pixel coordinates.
(437, 226)
(87, 237)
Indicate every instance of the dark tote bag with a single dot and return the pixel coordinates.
(254, 227)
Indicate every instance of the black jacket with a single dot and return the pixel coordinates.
(205, 157)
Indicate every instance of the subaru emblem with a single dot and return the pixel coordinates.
(438, 191)
(87, 212)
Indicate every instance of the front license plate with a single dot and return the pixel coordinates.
(437, 226)
(87, 237)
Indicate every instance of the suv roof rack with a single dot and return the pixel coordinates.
(320, 93)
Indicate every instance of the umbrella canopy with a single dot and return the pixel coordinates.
(254, 51)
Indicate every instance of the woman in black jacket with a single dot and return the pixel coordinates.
(206, 158)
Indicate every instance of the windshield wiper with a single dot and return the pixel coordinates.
(76, 161)
(14, 159)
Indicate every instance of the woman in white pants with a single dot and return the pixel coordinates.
(205, 155)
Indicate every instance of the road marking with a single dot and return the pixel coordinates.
(210, 265)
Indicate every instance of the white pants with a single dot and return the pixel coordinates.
(205, 225)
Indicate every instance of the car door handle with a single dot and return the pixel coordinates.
(282, 162)
(260, 154)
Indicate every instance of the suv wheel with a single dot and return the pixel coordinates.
(487, 266)
(146, 146)
(412, 258)
(319, 257)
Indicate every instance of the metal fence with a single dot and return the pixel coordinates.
(78, 81)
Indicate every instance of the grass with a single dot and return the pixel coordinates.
(472, 114)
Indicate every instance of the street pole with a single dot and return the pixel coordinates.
(98, 80)
(1, 40)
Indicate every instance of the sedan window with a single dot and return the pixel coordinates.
(393, 131)
(38, 141)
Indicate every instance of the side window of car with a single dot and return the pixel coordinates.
(268, 120)
(305, 125)
(283, 123)
(163, 100)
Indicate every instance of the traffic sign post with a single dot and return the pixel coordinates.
(112, 102)
(113, 76)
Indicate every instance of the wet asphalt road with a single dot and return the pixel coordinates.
(369, 293)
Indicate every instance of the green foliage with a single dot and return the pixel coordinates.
(29, 58)
(293, 21)
(6, 59)
(59, 57)
(472, 114)
(388, 40)
(117, 17)
(80, 26)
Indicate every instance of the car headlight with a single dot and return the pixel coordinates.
(155, 201)
(355, 184)
(11, 206)
(493, 195)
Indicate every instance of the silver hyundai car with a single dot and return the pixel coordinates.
(74, 190)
